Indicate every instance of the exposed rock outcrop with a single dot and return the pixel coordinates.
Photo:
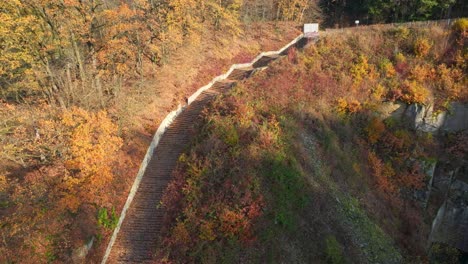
(79, 254)
(450, 225)
(448, 184)
(457, 119)
(424, 118)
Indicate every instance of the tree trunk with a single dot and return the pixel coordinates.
(302, 13)
(53, 89)
(97, 78)
(70, 85)
(79, 61)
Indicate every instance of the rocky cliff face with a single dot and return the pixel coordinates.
(425, 119)
(448, 186)
(450, 225)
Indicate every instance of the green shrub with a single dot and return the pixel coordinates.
(444, 254)
(50, 256)
(287, 187)
(333, 250)
(107, 221)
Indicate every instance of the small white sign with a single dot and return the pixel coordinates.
(311, 30)
(356, 22)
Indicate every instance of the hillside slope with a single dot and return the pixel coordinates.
(65, 173)
(304, 164)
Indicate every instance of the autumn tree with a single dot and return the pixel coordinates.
(79, 52)
(20, 40)
(291, 9)
(283, 10)
(223, 15)
(93, 143)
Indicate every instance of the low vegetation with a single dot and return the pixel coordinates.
(65, 172)
(296, 165)
(84, 84)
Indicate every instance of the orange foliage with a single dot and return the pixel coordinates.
(232, 222)
(451, 81)
(388, 69)
(413, 92)
(93, 144)
(375, 129)
(413, 179)
(119, 54)
(348, 106)
(422, 72)
(422, 47)
(382, 174)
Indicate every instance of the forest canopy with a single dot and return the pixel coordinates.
(341, 12)
(78, 53)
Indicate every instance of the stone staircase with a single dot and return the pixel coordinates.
(138, 232)
(138, 236)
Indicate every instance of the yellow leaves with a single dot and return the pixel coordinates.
(87, 142)
(342, 106)
(357, 168)
(350, 106)
(402, 33)
(387, 68)
(422, 46)
(3, 184)
(461, 27)
(180, 233)
(224, 17)
(232, 223)
(450, 81)
(292, 10)
(68, 117)
(125, 12)
(378, 92)
(400, 57)
(413, 92)
(103, 40)
(362, 70)
(17, 33)
(118, 57)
